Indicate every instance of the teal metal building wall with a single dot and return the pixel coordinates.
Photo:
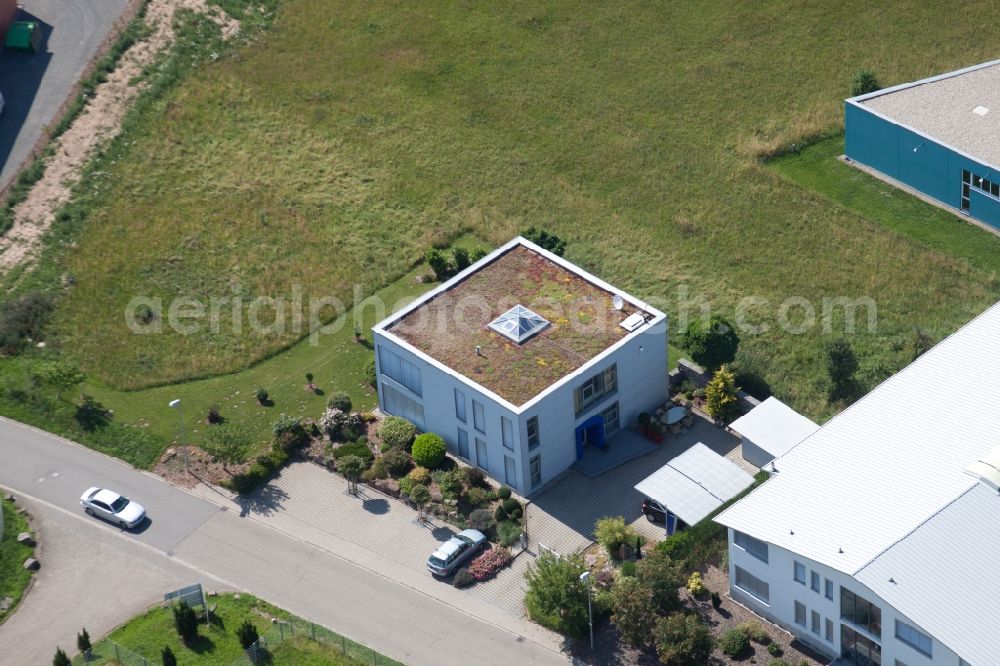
(917, 160)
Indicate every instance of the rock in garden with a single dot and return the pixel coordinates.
(31, 564)
(5, 604)
(436, 496)
(26, 539)
(589, 560)
(169, 453)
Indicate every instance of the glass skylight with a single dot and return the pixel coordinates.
(518, 324)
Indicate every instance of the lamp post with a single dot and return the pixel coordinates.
(176, 404)
(585, 577)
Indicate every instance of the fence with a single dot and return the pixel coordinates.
(281, 631)
(106, 651)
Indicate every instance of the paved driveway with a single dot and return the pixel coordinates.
(35, 85)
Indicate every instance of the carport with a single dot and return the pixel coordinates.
(694, 484)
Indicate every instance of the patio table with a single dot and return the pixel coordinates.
(674, 415)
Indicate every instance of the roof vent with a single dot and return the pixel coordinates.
(980, 110)
(633, 321)
(518, 324)
(987, 470)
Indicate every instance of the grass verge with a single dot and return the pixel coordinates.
(14, 578)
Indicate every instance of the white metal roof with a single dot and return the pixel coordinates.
(774, 426)
(854, 490)
(695, 483)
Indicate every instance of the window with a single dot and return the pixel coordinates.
(828, 633)
(463, 444)
(478, 416)
(828, 589)
(535, 468)
(399, 370)
(913, 637)
(814, 581)
(611, 423)
(533, 439)
(398, 404)
(459, 405)
(481, 459)
(800, 573)
(754, 547)
(800, 613)
(857, 649)
(752, 585)
(860, 612)
(507, 432)
(510, 472)
(899, 663)
(595, 389)
(814, 623)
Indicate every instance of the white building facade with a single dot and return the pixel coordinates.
(520, 441)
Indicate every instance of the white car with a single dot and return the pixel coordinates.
(112, 507)
(455, 552)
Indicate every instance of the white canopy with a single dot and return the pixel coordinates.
(695, 483)
(774, 427)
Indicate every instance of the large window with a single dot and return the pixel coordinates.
(859, 650)
(533, 437)
(510, 472)
(535, 468)
(400, 370)
(459, 405)
(481, 459)
(478, 416)
(611, 421)
(507, 432)
(814, 623)
(913, 637)
(398, 404)
(828, 633)
(800, 573)
(463, 444)
(755, 547)
(860, 612)
(595, 389)
(800, 613)
(752, 585)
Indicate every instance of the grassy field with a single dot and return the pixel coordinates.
(217, 645)
(14, 578)
(354, 135)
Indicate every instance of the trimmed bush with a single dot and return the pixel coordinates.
(247, 634)
(463, 578)
(289, 432)
(428, 450)
(258, 473)
(503, 493)
(500, 514)
(735, 643)
(214, 415)
(712, 343)
(376, 471)
(755, 631)
(406, 485)
(481, 520)
(477, 497)
(489, 563)
(260, 394)
(716, 600)
(438, 263)
(396, 432)
(420, 475)
(461, 258)
(694, 585)
(474, 477)
(397, 462)
(508, 533)
(360, 450)
(339, 400)
(450, 482)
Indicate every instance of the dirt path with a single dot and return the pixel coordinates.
(99, 122)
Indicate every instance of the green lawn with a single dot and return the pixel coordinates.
(304, 652)
(13, 577)
(350, 137)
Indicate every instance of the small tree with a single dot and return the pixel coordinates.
(662, 577)
(247, 634)
(167, 656)
(428, 450)
(260, 395)
(397, 432)
(682, 640)
(421, 496)
(612, 532)
(720, 394)
(546, 240)
(186, 622)
(864, 82)
(62, 376)
(633, 614)
(841, 364)
(60, 659)
(340, 400)
(309, 381)
(556, 596)
(352, 467)
(438, 263)
(83, 642)
(397, 462)
(227, 444)
(712, 343)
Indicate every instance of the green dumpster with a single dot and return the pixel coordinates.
(24, 36)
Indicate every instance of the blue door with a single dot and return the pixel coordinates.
(590, 431)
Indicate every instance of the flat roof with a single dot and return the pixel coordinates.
(774, 426)
(695, 483)
(960, 109)
(451, 322)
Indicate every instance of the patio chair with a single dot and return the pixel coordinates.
(675, 428)
(688, 419)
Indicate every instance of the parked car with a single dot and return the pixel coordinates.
(112, 507)
(455, 552)
(656, 513)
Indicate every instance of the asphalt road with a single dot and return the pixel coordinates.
(35, 85)
(197, 540)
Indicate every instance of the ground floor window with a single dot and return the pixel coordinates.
(752, 585)
(857, 649)
(535, 468)
(800, 613)
(463, 444)
(481, 459)
(611, 421)
(397, 404)
(510, 472)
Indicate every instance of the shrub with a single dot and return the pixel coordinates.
(682, 640)
(341, 401)
(611, 532)
(663, 577)
(864, 82)
(260, 394)
(214, 416)
(360, 450)
(503, 493)
(247, 634)
(419, 495)
(474, 477)
(711, 343)
(500, 514)
(735, 643)
(60, 658)
(420, 475)
(186, 622)
(289, 432)
(556, 597)
(546, 240)
(22, 320)
(633, 616)
(167, 657)
(755, 631)
(438, 263)
(477, 254)
(778, 662)
(258, 473)
(628, 569)
(486, 565)
(463, 578)
(774, 650)
(369, 373)
(449, 482)
(461, 258)
(397, 432)
(511, 505)
(477, 497)
(376, 471)
(406, 485)
(352, 467)
(397, 462)
(508, 533)
(429, 450)
(481, 520)
(720, 394)
(716, 600)
(694, 585)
